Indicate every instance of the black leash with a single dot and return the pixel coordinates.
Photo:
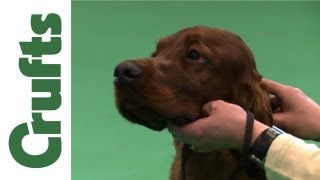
(247, 139)
(184, 158)
(245, 163)
(250, 168)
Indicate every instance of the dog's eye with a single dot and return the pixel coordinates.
(193, 55)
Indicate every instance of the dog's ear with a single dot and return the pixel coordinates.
(254, 98)
(248, 92)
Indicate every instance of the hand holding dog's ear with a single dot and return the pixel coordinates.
(298, 114)
(222, 129)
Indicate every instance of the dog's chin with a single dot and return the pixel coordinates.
(149, 118)
(152, 126)
(143, 116)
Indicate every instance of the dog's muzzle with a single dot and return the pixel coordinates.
(126, 73)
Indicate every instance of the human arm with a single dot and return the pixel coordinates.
(296, 114)
(292, 158)
(223, 128)
(287, 158)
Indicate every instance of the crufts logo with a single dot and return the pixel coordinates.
(45, 78)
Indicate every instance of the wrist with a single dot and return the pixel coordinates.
(261, 145)
(258, 128)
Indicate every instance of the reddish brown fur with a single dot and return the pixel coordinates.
(173, 88)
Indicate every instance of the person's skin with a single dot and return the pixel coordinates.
(225, 125)
(223, 128)
(299, 115)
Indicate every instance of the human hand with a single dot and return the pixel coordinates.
(223, 128)
(298, 114)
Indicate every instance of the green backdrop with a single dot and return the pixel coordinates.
(284, 37)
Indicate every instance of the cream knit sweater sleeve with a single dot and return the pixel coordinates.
(291, 158)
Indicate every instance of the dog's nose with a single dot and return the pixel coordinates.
(126, 73)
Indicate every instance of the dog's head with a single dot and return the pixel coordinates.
(187, 70)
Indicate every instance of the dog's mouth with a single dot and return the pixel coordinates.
(137, 108)
(149, 118)
(144, 116)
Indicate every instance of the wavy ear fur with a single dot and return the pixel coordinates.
(249, 93)
(254, 98)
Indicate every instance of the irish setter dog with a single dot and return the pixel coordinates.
(188, 69)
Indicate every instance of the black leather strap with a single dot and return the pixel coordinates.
(184, 158)
(262, 144)
(250, 169)
(247, 138)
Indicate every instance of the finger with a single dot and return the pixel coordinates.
(210, 107)
(279, 110)
(275, 103)
(194, 129)
(193, 147)
(190, 131)
(206, 109)
(179, 135)
(273, 87)
(174, 130)
(197, 149)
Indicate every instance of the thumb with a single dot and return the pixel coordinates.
(273, 87)
(210, 107)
